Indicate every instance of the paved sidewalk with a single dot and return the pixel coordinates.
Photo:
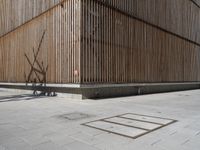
(54, 123)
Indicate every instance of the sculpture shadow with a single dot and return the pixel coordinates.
(23, 97)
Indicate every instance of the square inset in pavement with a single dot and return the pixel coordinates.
(74, 116)
(130, 125)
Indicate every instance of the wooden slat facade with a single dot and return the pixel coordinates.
(196, 2)
(137, 41)
(17, 12)
(60, 49)
(181, 17)
(103, 41)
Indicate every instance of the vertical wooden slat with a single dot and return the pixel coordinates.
(116, 41)
(132, 50)
(58, 51)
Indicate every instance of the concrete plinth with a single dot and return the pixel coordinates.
(86, 91)
(118, 90)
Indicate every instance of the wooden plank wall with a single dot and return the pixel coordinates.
(16, 12)
(196, 2)
(60, 48)
(118, 48)
(129, 41)
(178, 16)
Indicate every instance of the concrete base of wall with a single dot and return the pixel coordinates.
(95, 92)
(86, 91)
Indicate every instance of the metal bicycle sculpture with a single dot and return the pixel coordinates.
(40, 71)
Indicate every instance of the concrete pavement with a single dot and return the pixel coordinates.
(55, 123)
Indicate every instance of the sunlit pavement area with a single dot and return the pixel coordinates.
(61, 123)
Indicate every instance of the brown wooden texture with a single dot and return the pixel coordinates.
(102, 41)
(17, 12)
(119, 48)
(60, 48)
(181, 17)
(196, 2)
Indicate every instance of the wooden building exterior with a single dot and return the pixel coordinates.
(60, 49)
(102, 41)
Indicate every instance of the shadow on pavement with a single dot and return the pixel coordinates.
(19, 98)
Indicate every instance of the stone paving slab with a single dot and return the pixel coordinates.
(117, 129)
(129, 127)
(161, 121)
(134, 123)
(28, 122)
